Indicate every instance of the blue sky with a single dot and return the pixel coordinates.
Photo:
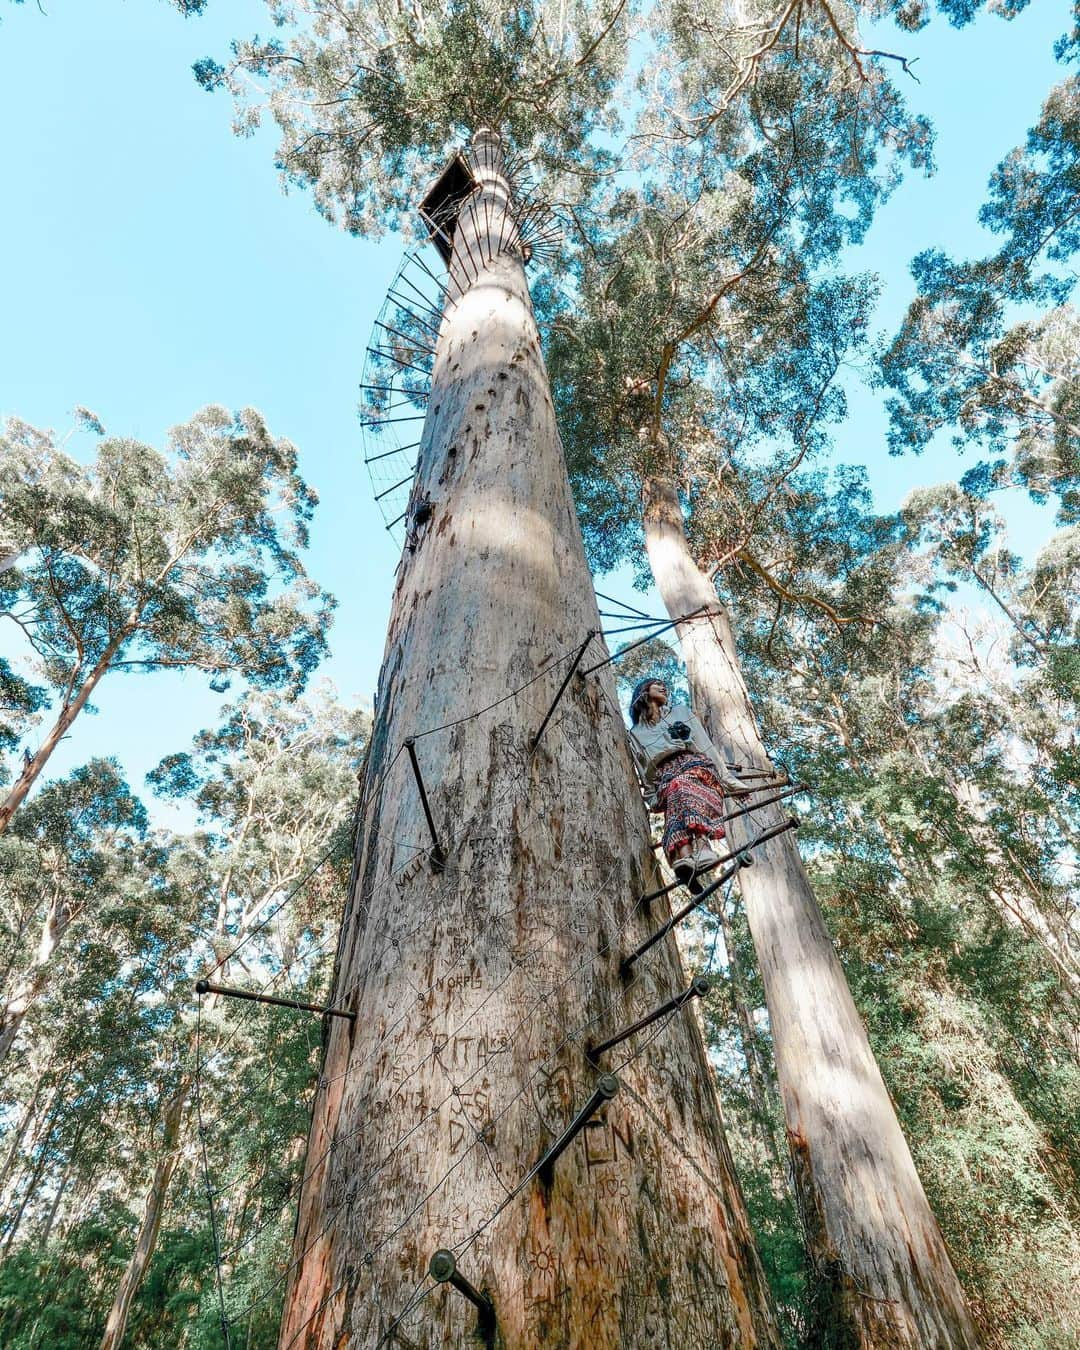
(153, 265)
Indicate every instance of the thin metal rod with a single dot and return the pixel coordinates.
(607, 1085)
(791, 823)
(413, 342)
(614, 614)
(697, 988)
(387, 491)
(666, 890)
(385, 454)
(397, 520)
(438, 854)
(205, 987)
(634, 627)
(429, 307)
(395, 389)
(766, 801)
(626, 650)
(404, 365)
(421, 264)
(376, 411)
(743, 860)
(411, 308)
(443, 1269)
(562, 688)
(386, 421)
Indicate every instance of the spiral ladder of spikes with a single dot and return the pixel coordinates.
(401, 350)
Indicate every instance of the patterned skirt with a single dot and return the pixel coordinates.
(692, 800)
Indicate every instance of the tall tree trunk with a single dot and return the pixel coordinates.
(477, 985)
(885, 1276)
(132, 1278)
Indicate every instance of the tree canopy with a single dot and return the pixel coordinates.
(147, 561)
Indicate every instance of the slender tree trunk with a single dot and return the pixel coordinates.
(132, 1278)
(29, 989)
(15, 1148)
(748, 1035)
(68, 714)
(54, 1208)
(885, 1276)
(476, 986)
(1020, 904)
(35, 1176)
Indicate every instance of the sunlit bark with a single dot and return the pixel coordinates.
(476, 986)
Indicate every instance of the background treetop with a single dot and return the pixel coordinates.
(370, 99)
(144, 561)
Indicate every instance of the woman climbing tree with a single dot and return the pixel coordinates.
(683, 775)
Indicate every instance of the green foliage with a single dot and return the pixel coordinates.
(974, 355)
(370, 103)
(147, 561)
(19, 700)
(106, 1045)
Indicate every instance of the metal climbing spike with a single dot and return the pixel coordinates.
(792, 823)
(648, 898)
(397, 450)
(789, 791)
(443, 1270)
(697, 988)
(607, 1085)
(205, 987)
(562, 688)
(743, 860)
(438, 853)
(625, 651)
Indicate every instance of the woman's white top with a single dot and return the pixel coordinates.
(652, 744)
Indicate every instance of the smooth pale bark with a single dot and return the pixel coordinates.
(1020, 905)
(476, 986)
(39, 1150)
(886, 1276)
(132, 1278)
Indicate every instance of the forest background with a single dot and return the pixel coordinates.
(154, 267)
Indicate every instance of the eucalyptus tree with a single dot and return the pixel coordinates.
(973, 1025)
(963, 539)
(101, 1171)
(19, 701)
(369, 101)
(143, 561)
(987, 356)
(987, 351)
(274, 786)
(86, 1038)
(63, 871)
